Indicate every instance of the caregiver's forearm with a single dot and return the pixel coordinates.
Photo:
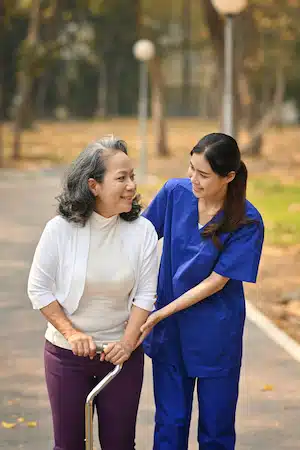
(137, 318)
(214, 283)
(56, 316)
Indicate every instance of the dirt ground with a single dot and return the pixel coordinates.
(55, 143)
(277, 292)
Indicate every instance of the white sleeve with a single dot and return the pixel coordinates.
(145, 295)
(41, 281)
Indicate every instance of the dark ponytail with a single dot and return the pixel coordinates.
(223, 155)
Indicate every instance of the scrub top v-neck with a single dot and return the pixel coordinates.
(205, 338)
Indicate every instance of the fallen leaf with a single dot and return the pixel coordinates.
(13, 401)
(267, 387)
(8, 425)
(32, 424)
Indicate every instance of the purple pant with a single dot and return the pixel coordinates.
(69, 380)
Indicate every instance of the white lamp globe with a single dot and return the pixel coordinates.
(144, 50)
(227, 7)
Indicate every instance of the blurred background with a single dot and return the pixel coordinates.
(69, 75)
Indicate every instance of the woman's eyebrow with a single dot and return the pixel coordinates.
(124, 171)
(200, 171)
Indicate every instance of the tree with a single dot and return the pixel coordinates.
(28, 58)
(158, 106)
(186, 57)
(2, 24)
(154, 28)
(267, 33)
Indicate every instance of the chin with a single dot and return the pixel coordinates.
(198, 194)
(125, 210)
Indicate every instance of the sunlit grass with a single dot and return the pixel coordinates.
(279, 205)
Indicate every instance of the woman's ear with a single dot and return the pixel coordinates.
(230, 176)
(93, 186)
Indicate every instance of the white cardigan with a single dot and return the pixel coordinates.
(59, 265)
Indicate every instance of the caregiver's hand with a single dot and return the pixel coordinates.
(152, 320)
(82, 344)
(117, 352)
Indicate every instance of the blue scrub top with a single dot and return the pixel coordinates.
(206, 338)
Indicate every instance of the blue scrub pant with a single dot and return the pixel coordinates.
(217, 399)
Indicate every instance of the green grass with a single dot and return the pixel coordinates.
(279, 205)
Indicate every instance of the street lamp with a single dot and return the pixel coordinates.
(228, 8)
(144, 51)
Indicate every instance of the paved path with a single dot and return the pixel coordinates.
(267, 419)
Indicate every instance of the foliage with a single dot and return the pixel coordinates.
(75, 38)
(81, 38)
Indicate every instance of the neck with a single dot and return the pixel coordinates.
(214, 203)
(104, 212)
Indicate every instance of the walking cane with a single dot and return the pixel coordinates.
(89, 402)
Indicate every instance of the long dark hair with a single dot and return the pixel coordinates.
(223, 154)
(76, 202)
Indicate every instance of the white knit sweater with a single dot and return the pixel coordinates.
(68, 267)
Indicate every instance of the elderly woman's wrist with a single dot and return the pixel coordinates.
(128, 343)
(67, 333)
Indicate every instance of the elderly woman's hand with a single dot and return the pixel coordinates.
(117, 352)
(82, 344)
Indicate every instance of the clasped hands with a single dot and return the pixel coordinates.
(114, 352)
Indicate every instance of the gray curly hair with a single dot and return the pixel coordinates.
(76, 202)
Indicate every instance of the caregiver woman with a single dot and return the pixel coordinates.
(94, 271)
(212, 243)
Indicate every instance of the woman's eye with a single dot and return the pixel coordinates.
(132, 177)
(121, 178)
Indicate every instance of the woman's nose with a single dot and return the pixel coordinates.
(131, 185)
(193, 178)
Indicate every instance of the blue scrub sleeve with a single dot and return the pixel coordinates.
(156, 211)
(239, 260)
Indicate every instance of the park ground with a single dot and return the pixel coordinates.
(273, 186)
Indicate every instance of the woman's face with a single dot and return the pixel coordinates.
(205, 182)
(117, 191)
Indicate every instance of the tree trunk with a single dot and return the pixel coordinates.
(51, 31)
(26, 77)
(259, 125)
(1, 117)
(113, 94)
(216, 29)
(2, 15)
(62, 83)
(158, 104)
(40, 103)
(101, 110)
(185, 59)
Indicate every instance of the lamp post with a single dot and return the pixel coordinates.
(229, 8)
(144, 51)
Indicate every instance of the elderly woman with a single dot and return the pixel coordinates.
(93, 277)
